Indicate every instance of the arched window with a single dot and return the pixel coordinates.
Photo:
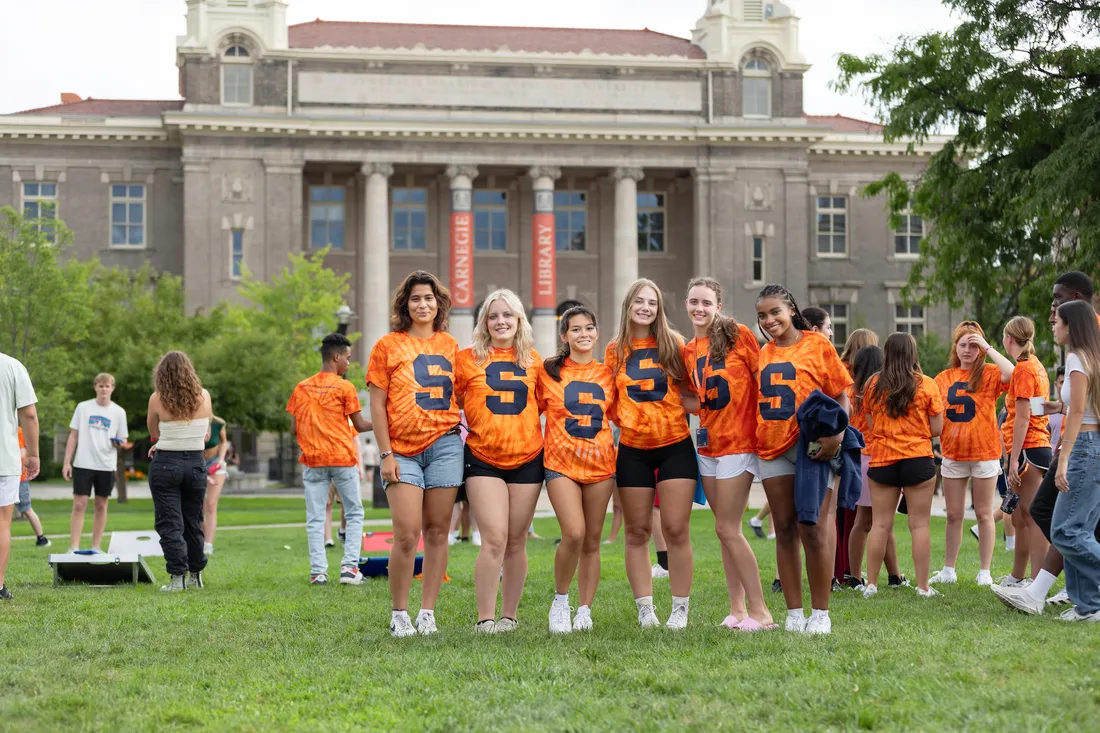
(236, 76)
(756, 88)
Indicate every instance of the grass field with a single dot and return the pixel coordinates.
(260, 650)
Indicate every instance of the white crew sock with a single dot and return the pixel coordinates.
(562, 598)
(818, 613)
(949, 569)
(680, 601)
(1042, 584)
(1010, 543)
(796, 613)
(1012, 578)
(644, 601)
(754, 522)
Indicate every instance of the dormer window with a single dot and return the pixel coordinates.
(756, 89)
(236, 76)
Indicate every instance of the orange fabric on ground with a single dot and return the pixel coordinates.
(858, 418)
(1029, 379)
(970, 424)
(418, 377)
(22, 445)
(501, 407)
(908, 436)
(648, 408)
(787, 377)
(727, 394)
(321, 406)
(579, 443)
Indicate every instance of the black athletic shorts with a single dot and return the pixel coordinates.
(908, 472)
(85, 479)
(644, 467)
(1040, 458)
(529, 473)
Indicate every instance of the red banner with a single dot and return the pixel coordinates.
(462, 259)
(545, 273)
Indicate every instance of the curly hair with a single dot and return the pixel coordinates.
(178, 385)
(400, 320)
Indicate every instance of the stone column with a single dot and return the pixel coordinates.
(544, 272)
(462, 252)
(374, 274)
(626, 229)
(198, 209)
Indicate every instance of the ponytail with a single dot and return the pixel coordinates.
(778, 291)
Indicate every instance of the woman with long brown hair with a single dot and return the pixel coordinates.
(179, 424)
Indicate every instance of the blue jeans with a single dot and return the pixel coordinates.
(346, 480)
(1076, 513)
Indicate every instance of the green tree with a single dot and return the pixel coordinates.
(1014, 194)
(933, 354)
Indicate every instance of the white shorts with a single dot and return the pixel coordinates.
(9, 490)
(724, 467)
(970, 469)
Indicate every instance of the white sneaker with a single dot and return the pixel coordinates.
(401, 625)
(486, 627)
(207, 548)
(974, 531)
(1009, 582)
(927, 593)
(452, 539)
(1072, 614)
(425, 623)
(678, 619)
(984, 579)
(647, 617)
(796, 624)
(1060, 598)
(944, 576)
(1019, 598)
(583, 620)
(819, 625)
(870, 591)
(658, 572)
(475, 540)
(559, 618)
(505, 625)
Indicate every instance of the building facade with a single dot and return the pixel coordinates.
(561, 163)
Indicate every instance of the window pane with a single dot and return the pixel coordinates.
(30, 209)
(500, 240)
(118, 213)
(400, 195)
(400, 219)
(419, 241)
(317, 193)
(118, 191)
(336, 235)
(643, 242)
(916, 225)
(30, 189)
(335, 213)
(649, 200)
(657, 242)
(137, 192)
(136, 213)
(400, 239)
(824, 223)
(49, 189)
(481, 219)
(578, 242)
(561, 221)
(657, 222)
(418, 218)
(840, 311)
(840, 203)
(918, 330)
(481, 239)
(499, 219)
(840, 333)
(317, 235)
(136, 235)
(758, 271)
(839, 221)
(118, 234)
(757, 247)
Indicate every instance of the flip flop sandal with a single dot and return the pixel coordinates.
(729, 622)
(750, 624)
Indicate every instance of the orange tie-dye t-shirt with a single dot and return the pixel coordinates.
(1029, 379)
(906, 436)
(579, 444)
(501, 407)
(970, 423)
(727, 394)
(858, 418)
(418, 378)
(321, 406)
(22, 447)
(788, 374)
(648, 408)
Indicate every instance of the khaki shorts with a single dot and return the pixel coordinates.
(970, 469)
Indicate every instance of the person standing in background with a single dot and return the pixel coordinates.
(17, 410)
(370, 461)
(24, 505)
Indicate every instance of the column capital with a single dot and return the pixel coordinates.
(622, 173)
(552, 173)
(377, 169)
(469, 172)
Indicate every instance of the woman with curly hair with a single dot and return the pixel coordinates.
(179, 423)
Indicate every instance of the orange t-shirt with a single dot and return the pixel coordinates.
(321, 406)
(970, 425)
(22, 445)
(648, 408)
(858, 418)
(908, 436)
(788, 374)
(501, 408)
(418, 377)
(727, 393)
(579, 443)
(1029, 379)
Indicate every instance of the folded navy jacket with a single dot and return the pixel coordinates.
(818, 417)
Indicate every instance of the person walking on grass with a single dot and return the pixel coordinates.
(326, 415)
(179, 424)
(214, 459)
(24, 505)
(96, 431)
(17, 410)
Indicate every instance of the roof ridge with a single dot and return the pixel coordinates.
(317, 21)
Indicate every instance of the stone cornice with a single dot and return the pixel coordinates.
(88, 129)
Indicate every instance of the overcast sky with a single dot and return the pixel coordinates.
(125, 49)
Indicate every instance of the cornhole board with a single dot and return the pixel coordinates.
(106, 569)
(146, 544)
(378, 567)
(383, 542)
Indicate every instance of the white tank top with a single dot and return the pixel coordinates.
(183, 435)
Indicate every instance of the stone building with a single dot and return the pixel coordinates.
(561, 163)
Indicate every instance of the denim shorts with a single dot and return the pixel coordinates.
(438, 466)
(24, 503)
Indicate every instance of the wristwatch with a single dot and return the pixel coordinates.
(385, 455)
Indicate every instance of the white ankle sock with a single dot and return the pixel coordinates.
(1010, 543)
(561, 598)
(1042, 584)
(1012, 578)
(680, 601)
(818, 613)
(754, 522)
(426, 612)
(644, 601)
(795, 613)
(949, 569)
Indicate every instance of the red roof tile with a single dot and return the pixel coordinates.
(110, 108)
(490, 38)
(840, 123)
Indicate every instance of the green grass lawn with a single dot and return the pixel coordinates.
(260, 650)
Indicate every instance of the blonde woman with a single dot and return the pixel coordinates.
(495, 385)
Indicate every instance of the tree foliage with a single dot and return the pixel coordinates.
(1015, 194)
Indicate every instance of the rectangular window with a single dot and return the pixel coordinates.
(907, 237)
(236, 253)
(651, 222)
(491, 221)
(326, 217)
(832, 226)
(127, 215)
(758, 259)
(909, 319)
(236, 84)
(756, 96)
(570, 220)
(410, 218)
(838, 314)
(40, 202)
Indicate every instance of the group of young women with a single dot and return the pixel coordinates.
(747, 401)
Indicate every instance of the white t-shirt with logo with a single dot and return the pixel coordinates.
(95, 427)
(15, 392)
